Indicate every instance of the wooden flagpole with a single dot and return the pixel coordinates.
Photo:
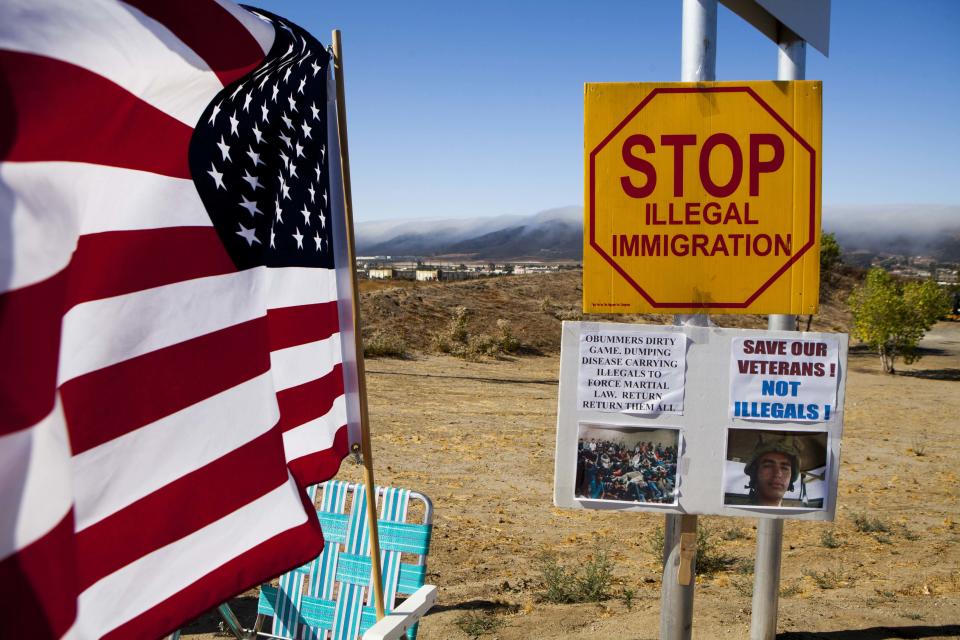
(365, 449)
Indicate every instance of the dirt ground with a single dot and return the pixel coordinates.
(478, 438)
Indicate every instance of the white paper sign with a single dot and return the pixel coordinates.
(701, 456)
(632, 372)
(784, 380)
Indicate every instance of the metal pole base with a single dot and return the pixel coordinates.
(676, 599)
(766, 579)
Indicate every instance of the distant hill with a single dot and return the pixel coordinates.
(557, 234)
(901, 229)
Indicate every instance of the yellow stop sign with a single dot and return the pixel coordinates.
(702, 197)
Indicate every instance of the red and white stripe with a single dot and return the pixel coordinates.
(160, 412)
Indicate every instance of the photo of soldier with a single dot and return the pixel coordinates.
(775, 469)
(627, 464)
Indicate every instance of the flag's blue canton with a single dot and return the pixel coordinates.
(258, 157)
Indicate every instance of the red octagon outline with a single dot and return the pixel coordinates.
(704, 305)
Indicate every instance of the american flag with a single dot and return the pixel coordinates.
(173, 283)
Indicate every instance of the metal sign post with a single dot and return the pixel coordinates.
(791, 65)
(698, 62)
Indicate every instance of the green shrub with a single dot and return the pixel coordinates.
(710, 558)
(829, 539)
(908, 534)
(791, 590)
(743, 587)
(919, 447)
(744, 566)
(454, 339)
(476, 624)
(733, 533)
(385, 344)
(588, 583)
(829, 579)
(866, 524)
(506, 342)
(457, 341)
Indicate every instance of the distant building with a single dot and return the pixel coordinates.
(385, 273)
(947, 276)
(450, 276)
(426, 275)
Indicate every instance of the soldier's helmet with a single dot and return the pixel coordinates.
(786, 445)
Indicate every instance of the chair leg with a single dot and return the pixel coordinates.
(233, 625)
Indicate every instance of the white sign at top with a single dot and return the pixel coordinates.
(809, 19)
(632, 372)
(784, 380)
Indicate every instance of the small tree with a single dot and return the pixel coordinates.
(892, 317)
(829, 252)
(830, 257)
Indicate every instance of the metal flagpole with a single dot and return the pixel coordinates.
(698, 62)
(375, 577)
(791, 65)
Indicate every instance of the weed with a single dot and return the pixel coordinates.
(791, 590)
(866, 524)
(557, 580)
(627, 596)
(457, 330)
(886, 594)
(457, 341)
(744, 566)
(454, 338)
(505, 340)
(710, 558)
(829, 539)
(476, 624)
(546, 304)
(562, 585)
(734, 533)
(919, 445)
(909, 535)
(912, 615)
(594, 581)
(385, 344)
(883, 539)
(829, 579)
(656, 544)
(573, 313)
(743, 587)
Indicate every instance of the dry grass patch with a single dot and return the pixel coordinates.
(476, 624)
(567, 585)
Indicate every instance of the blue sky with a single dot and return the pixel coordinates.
(476, 108)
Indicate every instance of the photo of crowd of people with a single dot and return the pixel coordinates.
(627, 464)
(775, 469)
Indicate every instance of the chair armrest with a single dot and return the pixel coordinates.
(395, 624)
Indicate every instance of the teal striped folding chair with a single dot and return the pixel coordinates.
(330, 598)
